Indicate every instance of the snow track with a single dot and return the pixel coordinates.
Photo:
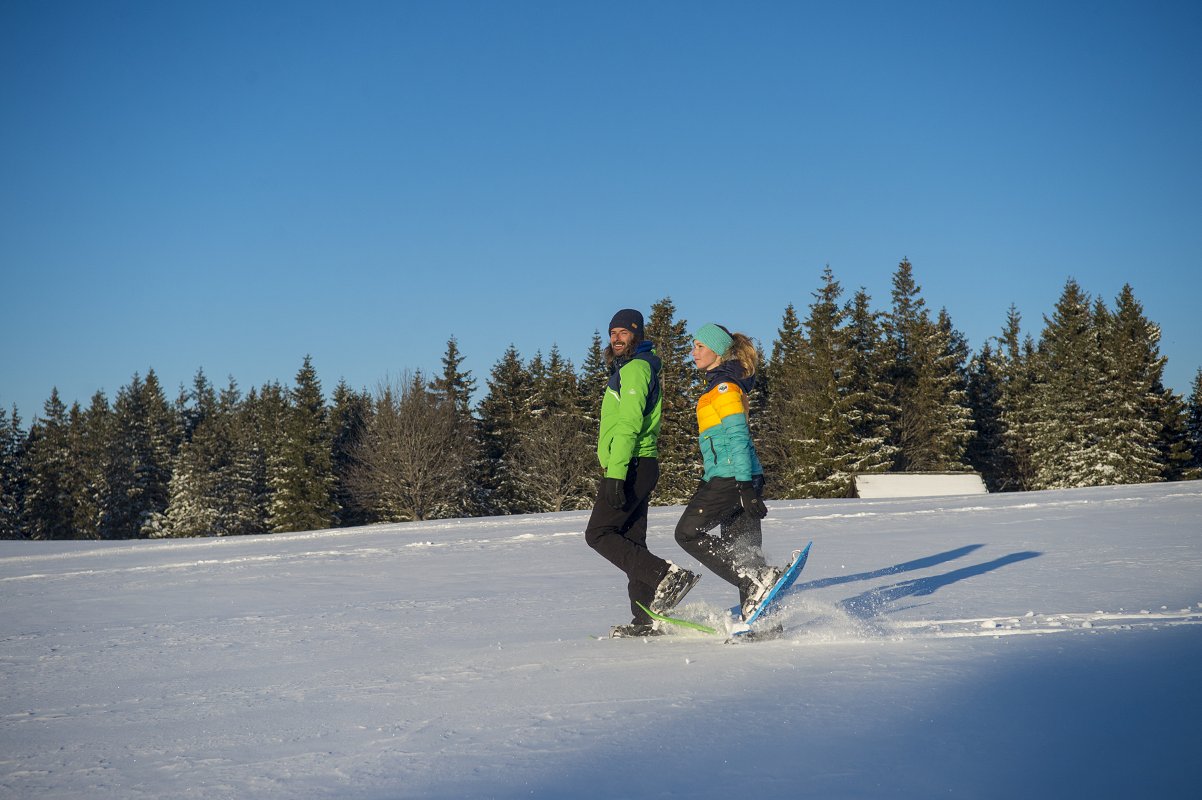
(1032, 623)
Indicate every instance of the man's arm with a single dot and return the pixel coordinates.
(636, 382)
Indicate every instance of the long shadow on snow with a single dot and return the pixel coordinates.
(871, 603)
(908, 566)
(971, 720)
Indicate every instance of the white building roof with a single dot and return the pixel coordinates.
(918, 484)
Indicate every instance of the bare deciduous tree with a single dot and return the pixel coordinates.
(557, 463)
(412, 460)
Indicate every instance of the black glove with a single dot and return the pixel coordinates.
(749, 498)
(613, 491)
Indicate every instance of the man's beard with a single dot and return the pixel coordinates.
(611, 354)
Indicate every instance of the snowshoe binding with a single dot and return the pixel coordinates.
(757, 586)
(776, 631)
(634, 630)
(672, 589)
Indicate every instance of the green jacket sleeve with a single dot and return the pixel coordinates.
(628, 417)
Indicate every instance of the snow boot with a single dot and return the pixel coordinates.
(672, 589)
(766, 634)
(757, 585)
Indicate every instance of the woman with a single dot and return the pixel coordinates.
(730, 491)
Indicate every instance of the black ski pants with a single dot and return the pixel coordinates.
(740, 540)
(620, 535)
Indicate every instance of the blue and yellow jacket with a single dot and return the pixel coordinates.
(630, 412)
(722, 420)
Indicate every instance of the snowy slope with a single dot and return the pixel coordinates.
(1038, 645)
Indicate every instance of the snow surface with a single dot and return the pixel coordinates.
(999, 646)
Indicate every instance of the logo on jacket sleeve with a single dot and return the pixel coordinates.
(722, 387)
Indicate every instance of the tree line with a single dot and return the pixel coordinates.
(844, 389)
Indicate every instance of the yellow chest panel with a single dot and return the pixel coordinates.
(720, 402)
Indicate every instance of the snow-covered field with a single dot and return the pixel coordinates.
(999, 646)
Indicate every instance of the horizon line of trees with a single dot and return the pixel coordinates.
(844, 389)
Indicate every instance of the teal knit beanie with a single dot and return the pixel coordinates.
(713, 337)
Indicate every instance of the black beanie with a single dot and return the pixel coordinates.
(629, 319)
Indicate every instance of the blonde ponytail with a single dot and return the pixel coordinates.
(743, 350)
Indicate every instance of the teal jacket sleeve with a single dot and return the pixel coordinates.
(742, 451)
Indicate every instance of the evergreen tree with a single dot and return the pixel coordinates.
(594, 375)
(785, 443)
(191, 507)
(680, 386)
(188, 493)
(987, 452)
(904, 327)
(590, 388)
(457, 387)
(1175, 450)
(1128, 424)
(1193, 429)
(504, 417)
(758, 401)
(828, 397)
(537, 390)
(195, 406)
(555, 461)
(827, 448)
(212, 486)
(349, 419)
(261, 426)
(242, 482)
(866, 390)
(954, 429)
(1016, 406)
(301, 474)
(91, 442)
(934, 425)
(554, 383)
(48, 510)
(1065, 408)
(138, 469)
(12, 475)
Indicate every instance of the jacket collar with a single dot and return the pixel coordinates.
(643, 348)
(730, 372)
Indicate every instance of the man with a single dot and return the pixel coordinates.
(626, 448)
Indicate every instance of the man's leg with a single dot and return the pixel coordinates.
(620, 535)
(641, 481)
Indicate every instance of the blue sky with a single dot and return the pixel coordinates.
(231, 186)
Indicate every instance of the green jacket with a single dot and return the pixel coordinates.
(630, 412)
